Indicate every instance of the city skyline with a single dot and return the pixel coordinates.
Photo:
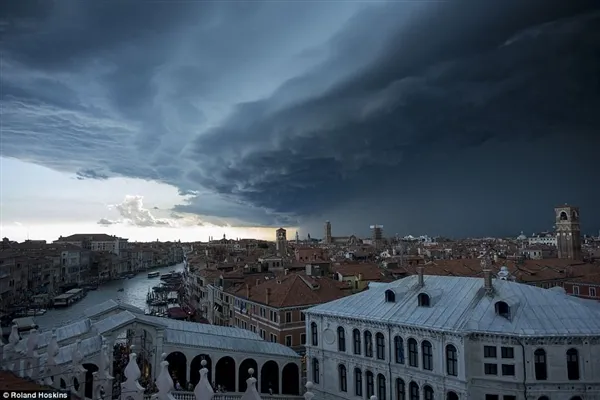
(208, 122)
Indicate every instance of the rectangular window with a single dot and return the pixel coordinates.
(273, 338)
(358, 383)
(490, 369)
(303, 338)
(356, 341)
(288, 317)
(489, 351)
(413, 353)
(507, 352)
(370, 384)
(508, 370)
(592, 292)
(399, 349)
(288, 340)
(302, 316)
(576, 290)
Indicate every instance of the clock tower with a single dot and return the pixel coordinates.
(568, 232)
(281, 242)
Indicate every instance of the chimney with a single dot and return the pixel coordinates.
(420, 270)
(487, 274)
(487, 280)
(268, 299)
(248, 291)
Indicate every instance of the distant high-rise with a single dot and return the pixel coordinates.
(328, 238)
(568, 232)
(377, 234)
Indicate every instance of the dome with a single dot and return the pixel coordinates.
(521, 236)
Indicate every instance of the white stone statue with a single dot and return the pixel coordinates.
(32, 361)
(164, 382)
(251, 393)
(51, 362)
(203, 390)
(309, 394)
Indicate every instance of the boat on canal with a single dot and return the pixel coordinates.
(154, 274)
(70, 297)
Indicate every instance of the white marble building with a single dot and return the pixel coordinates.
(434, 337)
(229, 352)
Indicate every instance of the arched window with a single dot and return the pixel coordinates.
(413, 391)
(341, 338)
(380, 342)
(502, 309)
(451, 360)
(427, 392)
(573, 364)
(368, 344)
(427, 355)
(380, 387)
(314, 334)
(315, 370)
(356, 341)
(413, 353)
(370, 384)
(563, 216)
(424, 300)
(539, 360)
(451, 396)
(400, 389)
(358, 382)
(399, 349)
(343, 378)
(390, 296)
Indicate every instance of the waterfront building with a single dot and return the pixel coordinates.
(440, 337)
(229, 352)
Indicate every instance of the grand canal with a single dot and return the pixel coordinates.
(134, 293)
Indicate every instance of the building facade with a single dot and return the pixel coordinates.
(435, 337)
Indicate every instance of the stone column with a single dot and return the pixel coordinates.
(158, 345)
(280, 380)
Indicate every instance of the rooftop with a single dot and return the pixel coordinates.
(461, 305)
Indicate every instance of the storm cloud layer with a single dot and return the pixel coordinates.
(455, 117)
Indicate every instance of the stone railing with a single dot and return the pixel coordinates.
(185, 395)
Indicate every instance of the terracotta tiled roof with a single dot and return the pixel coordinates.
(528, 271)
(9, 381)
(293, 290)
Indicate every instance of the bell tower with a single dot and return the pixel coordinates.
(568, 232)
(328, 238)
(281, 242)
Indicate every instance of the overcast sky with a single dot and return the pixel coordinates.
(457, 117)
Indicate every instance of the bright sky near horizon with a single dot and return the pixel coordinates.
(41, 203)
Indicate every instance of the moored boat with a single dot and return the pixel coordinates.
(154, 274)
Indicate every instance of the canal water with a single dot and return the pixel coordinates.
(134, 293)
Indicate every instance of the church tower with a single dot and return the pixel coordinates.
(328, 238)
(281, 242)
(568, 232)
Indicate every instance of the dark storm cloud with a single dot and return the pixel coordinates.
(421, 116)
